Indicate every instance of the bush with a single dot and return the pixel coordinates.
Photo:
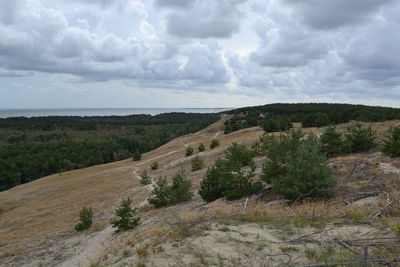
(201, 147)
(318, 119)
(227, 179)
(214, 143)
(159, 196)
(127, 220)
(359, 139)
(332, 142)
(260, 147)
(239, 154)
(391, 145)
(136, 156)
(197, 164)
(276, 124)
(164, 194)
(85, 217)
(154, 165)
(179, 191)
(296, 168)
(145, 179)
(189, 151)
(211, 187)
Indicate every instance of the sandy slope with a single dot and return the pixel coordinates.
(37, 219)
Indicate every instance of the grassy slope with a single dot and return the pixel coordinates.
(37, 219)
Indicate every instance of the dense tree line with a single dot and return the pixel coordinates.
(310, 115)
(31, 148)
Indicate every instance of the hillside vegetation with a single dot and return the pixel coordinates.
(279, 117)
(31, 148)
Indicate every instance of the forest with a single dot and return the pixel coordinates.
(31, 148)
(279, 117)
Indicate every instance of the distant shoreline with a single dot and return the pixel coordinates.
(7, 113)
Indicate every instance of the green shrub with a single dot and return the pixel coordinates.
(201, 147)
(179, 191)
(391, 145)
(211, 187)
(226, 178)
(214, 143)
(332, 142)
(159, 196)
(127, 221)
(136, 156)
(296, 168)
(189, 151)
(239, 154)
(359, 139)
(154, 165)
(318, 119)
(145, 179)
(276, 124)
(164, 194)
(85, 217)
(197, 164)
(260, 147)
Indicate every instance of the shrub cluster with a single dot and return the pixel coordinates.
(85, 217)
(214, 143)
(164, 194)
(357, 139)
(189, 151)
(126, 214)
(227, 178)
(276, 124)
(391, 145)
(296, 168)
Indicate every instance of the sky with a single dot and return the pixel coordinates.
(198, 53)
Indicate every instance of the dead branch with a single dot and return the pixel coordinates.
(384, 209)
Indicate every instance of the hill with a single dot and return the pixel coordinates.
(37, 219)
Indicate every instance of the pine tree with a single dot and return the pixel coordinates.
(145, 179)
(85, 217)
(159, 196)
(126, 213)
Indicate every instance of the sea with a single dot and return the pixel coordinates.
(87, 112)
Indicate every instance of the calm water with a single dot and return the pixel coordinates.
(6, 113)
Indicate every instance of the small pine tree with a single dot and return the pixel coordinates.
(201, 147)
(189, 151)
(331, 142)
(179, 191)
(214, 143)
(85, 217)
(145, 179)
(211, 187)
(159, 196)
(197, 164)
(391, 145)
(239, 154)
(154, 165)
(126, 213)
(296, 167)
(360, 139)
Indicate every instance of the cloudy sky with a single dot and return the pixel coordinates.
(198, 53)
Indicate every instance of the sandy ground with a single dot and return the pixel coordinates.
(37, 219)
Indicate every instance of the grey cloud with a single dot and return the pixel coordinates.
(328, 14)
(207, 18)
(173, 3)
(44, 41)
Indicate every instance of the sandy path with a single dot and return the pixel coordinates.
(90, 249)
